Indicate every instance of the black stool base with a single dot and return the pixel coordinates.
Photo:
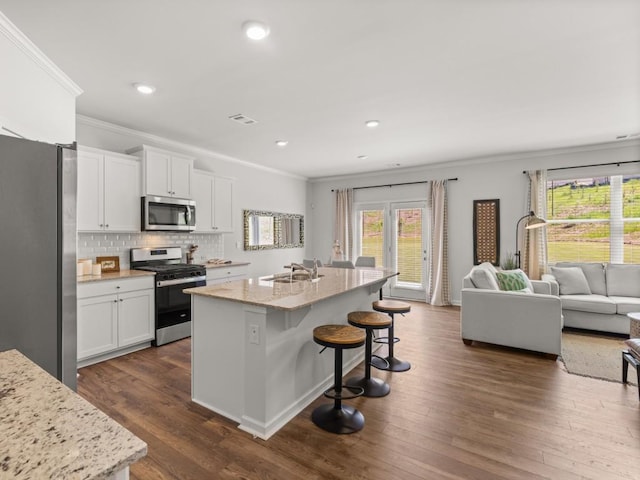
(373, 387)
(392, 364)
(338, 420)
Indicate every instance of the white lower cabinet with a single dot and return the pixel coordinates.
(114, 317)
(227, 273)
(97, 325)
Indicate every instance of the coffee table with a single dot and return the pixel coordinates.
(634, 324)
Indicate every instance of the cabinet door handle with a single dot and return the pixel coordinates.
(121, 300)
(101, 225)
(107, 225)
(115, 301)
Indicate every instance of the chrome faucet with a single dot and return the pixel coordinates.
(313, 272)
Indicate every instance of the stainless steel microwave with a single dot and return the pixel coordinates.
(168, 214)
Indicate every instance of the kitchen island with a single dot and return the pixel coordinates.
(253, 358)
(48, 431)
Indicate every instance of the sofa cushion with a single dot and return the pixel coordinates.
(484, 276)
(623, 280)
(511, 280)
(626, 305)
(571, 280)
(594, 272)
(588, 303)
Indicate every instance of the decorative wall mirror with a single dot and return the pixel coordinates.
(265, 230)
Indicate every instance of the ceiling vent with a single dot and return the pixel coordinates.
(243, 119)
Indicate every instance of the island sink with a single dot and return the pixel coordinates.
(289, 278)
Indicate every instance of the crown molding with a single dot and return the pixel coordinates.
(173, 144)
(465, 162)
(30, 50)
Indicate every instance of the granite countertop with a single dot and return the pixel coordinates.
(113, 275)
(291, 296)
(222, 265)
(47, 431)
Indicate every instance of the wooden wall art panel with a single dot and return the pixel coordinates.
(486, 231)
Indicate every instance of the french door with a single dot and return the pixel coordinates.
(395, 234)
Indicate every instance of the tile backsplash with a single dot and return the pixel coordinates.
(92, 245)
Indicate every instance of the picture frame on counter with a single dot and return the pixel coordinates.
(109, 264)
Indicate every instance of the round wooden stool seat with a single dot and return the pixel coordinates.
(391, 306)
(338, 418)
(369, 319)
(339, 336)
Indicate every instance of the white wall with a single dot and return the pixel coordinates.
(498, 177)
(254, 189)
(37, 100)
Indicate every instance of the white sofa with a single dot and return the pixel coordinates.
(531, 321)
(611, 291)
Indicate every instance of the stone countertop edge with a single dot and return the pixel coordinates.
(122, 274)
(222, 265)
(48, 431)
(293, 296)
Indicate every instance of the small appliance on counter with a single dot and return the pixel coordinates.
(173, 308)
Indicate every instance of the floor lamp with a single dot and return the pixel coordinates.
(533, 221)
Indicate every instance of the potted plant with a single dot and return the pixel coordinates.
(508, 262)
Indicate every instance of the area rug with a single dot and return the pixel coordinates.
(595, 356)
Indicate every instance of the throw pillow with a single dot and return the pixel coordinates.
(511, 280)
(623, 280)
(571, 280)
(483, 278)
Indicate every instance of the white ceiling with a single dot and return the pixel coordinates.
(448, 79)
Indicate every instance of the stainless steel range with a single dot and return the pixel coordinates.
(173, 308)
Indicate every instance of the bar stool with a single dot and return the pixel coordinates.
(338, 418)
(370, 321)
(390, 307)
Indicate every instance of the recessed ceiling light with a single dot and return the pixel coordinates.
(363, 157)
(282, 143)
(372, 123)
(255, 30)
(144, 88)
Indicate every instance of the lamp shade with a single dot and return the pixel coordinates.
(535, 222)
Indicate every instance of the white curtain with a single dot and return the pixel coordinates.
(534, 260)
(343, 229)
(438, 285)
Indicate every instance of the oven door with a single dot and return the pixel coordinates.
(169, 214)
(172, 305)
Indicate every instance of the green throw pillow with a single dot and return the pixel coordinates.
(511, 281)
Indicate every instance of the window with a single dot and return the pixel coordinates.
(371, 226)
(594, 219)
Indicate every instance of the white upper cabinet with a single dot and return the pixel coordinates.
(223, 204)
(165, 174)
(108, 191)
(202, 194)
(214, 202)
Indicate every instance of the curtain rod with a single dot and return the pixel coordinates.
(592, 165)
(398, 184)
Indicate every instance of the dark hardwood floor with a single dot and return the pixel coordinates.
(461, 412)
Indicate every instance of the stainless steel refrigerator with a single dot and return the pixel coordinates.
(38, 184)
